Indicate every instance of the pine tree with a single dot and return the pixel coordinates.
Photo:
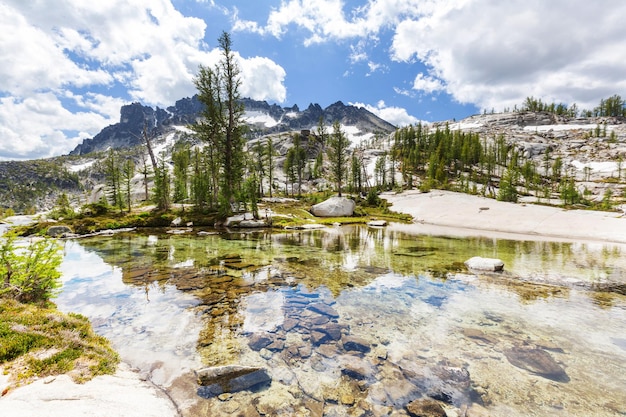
(113, 177)
(181, 157)
(128, 172)
(270, 162)
(221, 126)
(338, 147)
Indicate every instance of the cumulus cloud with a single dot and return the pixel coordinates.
(494, 54)
(39, 126)
(427, 84)
(262, 79)
(144, 50)
(397, 116)
(489, 53)
(327, 20)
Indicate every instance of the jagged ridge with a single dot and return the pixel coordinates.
(133, 117)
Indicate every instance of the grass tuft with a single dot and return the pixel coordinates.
(37, 342)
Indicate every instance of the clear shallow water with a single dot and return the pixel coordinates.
(358, 321)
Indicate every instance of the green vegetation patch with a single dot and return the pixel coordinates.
(37, 342)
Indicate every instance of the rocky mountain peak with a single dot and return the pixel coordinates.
(262, 118)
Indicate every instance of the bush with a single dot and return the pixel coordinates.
(29, 273)
(95, 209)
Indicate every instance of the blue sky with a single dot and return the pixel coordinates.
(68, 65)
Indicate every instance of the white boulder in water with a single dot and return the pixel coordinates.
(484, 264)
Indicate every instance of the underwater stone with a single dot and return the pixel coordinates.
(357, 368)
(425, 408)
(322, 308)
(356, 343)
(536, 361)
(259, 341)
(229, 379)
(333, 330)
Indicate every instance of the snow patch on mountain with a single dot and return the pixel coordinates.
(81, 167)
(259, 118)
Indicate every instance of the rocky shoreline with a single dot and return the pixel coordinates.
(450, 213)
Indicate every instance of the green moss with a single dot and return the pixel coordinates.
(37, 341)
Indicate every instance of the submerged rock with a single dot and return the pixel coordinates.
(229, 379)
(536, 361)
(484, 264)
(324, 309)
(425, 408)
(355, 343)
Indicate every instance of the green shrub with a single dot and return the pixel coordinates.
(95, 209)
(29, 273)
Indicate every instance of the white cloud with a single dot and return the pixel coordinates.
(329, 20)
(39, 125)
(262, 79)
(490, 53)
(144, 50)
(397, 116)
(427, 84)
(494, 54)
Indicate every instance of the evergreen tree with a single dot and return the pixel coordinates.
(338, 146)
(128, 172)
(289, 167)
(270, 162)
(181, 158)
(113, 179)
(200, 179)
(221, 126)
(298, 160)
(162, 186)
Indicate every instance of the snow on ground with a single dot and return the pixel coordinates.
(161, 147)
(465, 125)
(292, 115)
(561, 127)
(597, 167)
(81, 167)
(355, 135)
(183, 129)
(254, 117)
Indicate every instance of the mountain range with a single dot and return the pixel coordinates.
(261, 118)
(591, 150)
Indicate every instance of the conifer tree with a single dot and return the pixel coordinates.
(338, 146)
(270, 162)
(128, 172)
(221, 127)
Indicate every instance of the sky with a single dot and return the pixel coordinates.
(69, 65)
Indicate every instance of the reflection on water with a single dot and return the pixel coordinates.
(358, 321)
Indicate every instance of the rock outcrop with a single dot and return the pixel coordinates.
(334, 207)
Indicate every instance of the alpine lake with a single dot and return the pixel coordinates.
(360, 321)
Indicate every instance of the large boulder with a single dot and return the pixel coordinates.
(334, 207)
(59, 231)
(484, 264)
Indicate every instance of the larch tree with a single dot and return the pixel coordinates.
(221, 126)
(338, 152)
